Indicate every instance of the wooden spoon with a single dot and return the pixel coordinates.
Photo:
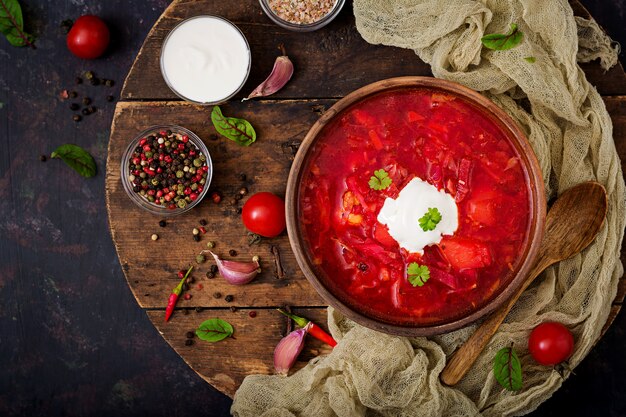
(571, 225)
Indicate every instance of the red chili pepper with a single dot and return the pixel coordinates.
(171, 302)
(315, 330)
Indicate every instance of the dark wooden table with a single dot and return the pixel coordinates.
(73, 341)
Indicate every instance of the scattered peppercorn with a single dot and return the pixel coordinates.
(187, 297)
(233, 309)
(86, 101)
(85, 112)
(196, 238)
(77, 118)
(92, 109)
(94, 81)
(210, 244)
(252, 314)
(362, 266)
(216, 197)
(195, 231)
(162, 223)
(43, 158)
(243, 191)
(89, 75)
(185, 311)
(190, 280)
(185, 287)
(110, 98)
(242, 176)
(73, 94)
(203, 222)
(188, 342)
(154, 236)
(199, 309)
(229, 298)
(74, 106)
(232, 252)
(109, 83)
(214, 269)
(217, 295)
(181, 274)
(233, 201)
(238, 197)
(78, 80)
(239, 210)
(202, 230)
(189, 335)
(200, 258)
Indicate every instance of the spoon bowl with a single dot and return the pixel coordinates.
(572, 223)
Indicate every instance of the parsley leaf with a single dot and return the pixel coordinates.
(418, 275)
(530, 59)
(503, 41)
(380, 180)
(430, 220)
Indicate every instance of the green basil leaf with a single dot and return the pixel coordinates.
(12, 23)
(502, 42)
(77, 158)
(238, 130)
(214, 330)
(507, 369)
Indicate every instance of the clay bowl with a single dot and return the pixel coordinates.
(528, 255)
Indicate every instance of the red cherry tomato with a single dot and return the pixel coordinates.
(551, 343)
(88, 38)
(264, 214)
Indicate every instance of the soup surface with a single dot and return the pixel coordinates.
(422, 140)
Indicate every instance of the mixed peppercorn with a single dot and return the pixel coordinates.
(168, 169)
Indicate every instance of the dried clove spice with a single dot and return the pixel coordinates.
(279, 272)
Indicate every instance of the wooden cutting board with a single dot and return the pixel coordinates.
(329, 64)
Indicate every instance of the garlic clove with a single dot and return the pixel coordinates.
(287, 351)
(281, 73)
(235, 272)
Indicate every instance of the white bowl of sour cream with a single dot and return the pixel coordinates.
(205, 59)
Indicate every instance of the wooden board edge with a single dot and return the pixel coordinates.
(221, 385)
(166, 13)
(120, 107)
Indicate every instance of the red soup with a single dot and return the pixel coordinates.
(451, 145)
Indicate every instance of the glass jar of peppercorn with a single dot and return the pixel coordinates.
(166, 170)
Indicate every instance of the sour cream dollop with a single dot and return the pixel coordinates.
(401, 215)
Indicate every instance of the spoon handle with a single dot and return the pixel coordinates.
(466, 355)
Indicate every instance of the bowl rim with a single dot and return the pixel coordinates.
(171, 86)
(143, 203)
(515, 135)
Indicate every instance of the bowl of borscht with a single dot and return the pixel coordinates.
(415, 206)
